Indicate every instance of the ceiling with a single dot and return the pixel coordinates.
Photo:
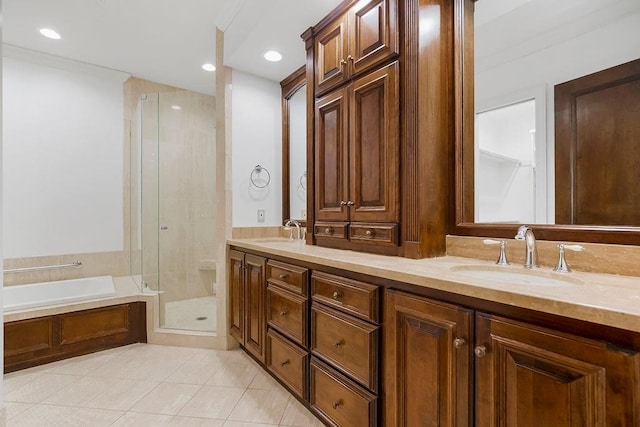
(167, 41)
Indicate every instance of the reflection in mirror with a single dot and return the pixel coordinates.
(294, 147)
(532, 151)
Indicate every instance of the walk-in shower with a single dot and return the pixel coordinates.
(172, 184)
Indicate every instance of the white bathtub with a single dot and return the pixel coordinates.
(43, 294)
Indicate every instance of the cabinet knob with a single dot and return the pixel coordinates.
(286, 362)
(350, 58)
(370, 233)
(459, 343)
(343, 203)
(480, 351)
(283, 313)
(351, 203)
(335, 405)
(343, 62)
(338, 343)
(328, 230)
(284, 276)
(336, 295)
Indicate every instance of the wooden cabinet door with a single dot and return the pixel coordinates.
(331, 157)
(528, 376)
(372, 34)
(374, 146)
(255, 288)
(235, 270)
(427, 369)
(331, 45)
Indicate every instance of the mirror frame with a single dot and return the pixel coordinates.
(464, 148)
(289, 86)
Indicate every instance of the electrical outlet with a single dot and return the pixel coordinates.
(260, 215)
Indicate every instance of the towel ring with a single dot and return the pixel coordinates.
(258, 169)
(303, 177)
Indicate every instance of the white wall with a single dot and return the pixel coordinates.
(256, 135)
(63, 161)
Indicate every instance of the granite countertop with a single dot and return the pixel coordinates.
(598, 298)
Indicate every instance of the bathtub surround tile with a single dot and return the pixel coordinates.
(102, 397)
(261, 406)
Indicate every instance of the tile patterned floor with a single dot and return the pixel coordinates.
(150, 385)
(195, 314)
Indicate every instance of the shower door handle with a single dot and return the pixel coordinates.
(164, 227)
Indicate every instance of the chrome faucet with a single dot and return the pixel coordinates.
(291, 222)
(531, 255)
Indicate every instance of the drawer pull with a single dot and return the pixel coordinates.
(283, 276)
(335, 405)
(284, 313)
(286, 362)
(480, 351)
(459, 343)
(370, 233)
(338, 343)
(328, 230)
(337, 295)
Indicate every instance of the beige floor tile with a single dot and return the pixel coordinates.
(85, 417)
(14, 408)
(40, 388)
(243, 424)
(193, 372)
(15, 380)
(212, 402)
(79, 365)
(299, 416)
(139, 419)
(260, 406)
(80, 392)
(264, 381)
(178, 421)
(122, 395)
(42, 415)
(166, 398)
(234, 374)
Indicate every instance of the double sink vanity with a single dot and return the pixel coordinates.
(373, 340)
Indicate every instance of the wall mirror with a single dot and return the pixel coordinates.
(294, 147)
(551, 123)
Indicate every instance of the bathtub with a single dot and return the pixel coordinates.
(44, 294)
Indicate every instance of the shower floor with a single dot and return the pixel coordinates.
(196, 314)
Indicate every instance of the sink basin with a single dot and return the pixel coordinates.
(518, 276)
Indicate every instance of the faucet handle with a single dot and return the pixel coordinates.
(502, 258)
(562, 266)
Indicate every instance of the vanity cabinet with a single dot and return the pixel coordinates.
(357, 197)
(523, 374)
(358, 39)
(247, 285)
(344, 373)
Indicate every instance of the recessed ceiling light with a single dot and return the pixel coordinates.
(208, 67)
(49, 33)
(272, 56)
(176, 107)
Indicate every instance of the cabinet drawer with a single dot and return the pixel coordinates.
(287, 313)
(288, 276)
(347, 343)
(331, 230)
(357, 298)
(288, 362)
(340, 401)
(375, 234)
